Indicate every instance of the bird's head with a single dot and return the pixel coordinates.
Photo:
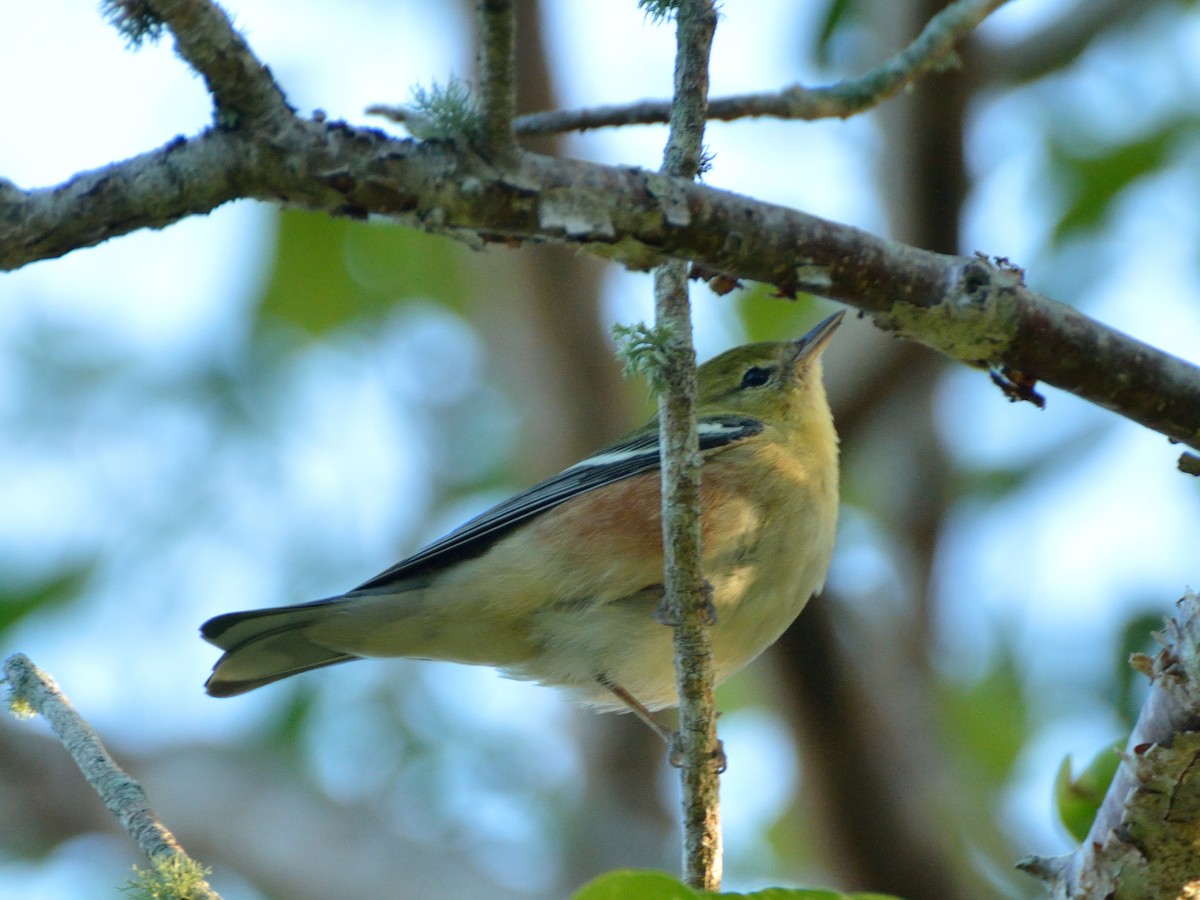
(775, 381)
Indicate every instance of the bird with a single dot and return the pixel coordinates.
(561, 584)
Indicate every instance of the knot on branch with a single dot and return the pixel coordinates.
(974, 319)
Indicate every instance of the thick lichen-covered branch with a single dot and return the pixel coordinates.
(968, 308)
(1142, 844)
(973, 310)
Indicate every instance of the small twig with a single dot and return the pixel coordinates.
(33, 691)
(931, 49)
(497, 73)
(699, 753)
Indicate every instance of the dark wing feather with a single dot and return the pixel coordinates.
(623, 459)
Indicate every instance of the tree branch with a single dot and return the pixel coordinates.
(686, 597)
(151, 190)
(242, 88)
(967, 308)
(498, 74)
(33, 690)
(1136, 847)
(933, 48)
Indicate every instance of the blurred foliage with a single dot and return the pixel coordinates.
(646, 885)
(765, 316)
(839, 15)
(1078, 798)
(1135, 636)
(991, 484)
(989, 719)
(283, 734)
(330, 272)
(1092, 179)
(64, 587)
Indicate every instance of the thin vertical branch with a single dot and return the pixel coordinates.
(498, 73)
(34, 690)
(687, 599)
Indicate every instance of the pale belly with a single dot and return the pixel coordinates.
(623, 642)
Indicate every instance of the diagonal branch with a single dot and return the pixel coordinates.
(35, 691)
(1136, 847)
(967, 308)
(932, 49)
(242, 88)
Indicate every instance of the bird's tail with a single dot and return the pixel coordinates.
(265, 645)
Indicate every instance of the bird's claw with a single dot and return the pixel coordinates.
(675, 754)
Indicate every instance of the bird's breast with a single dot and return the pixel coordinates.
(768, 548)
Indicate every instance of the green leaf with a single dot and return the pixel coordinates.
(805, 894)
(1136, 636)
(631, 884)
(328, 271)
(990, 717)
(764, 316)
(1078, 799)
(391, 262)
(838, 15)
(58, 590)
(309, 285)
(285, 730)
(1092, 180)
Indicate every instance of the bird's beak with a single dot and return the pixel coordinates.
(811, 345)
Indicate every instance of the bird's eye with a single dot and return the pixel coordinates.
(756, 376)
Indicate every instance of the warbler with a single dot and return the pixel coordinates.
(561, 583)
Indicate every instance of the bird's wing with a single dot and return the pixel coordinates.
(631, 456)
